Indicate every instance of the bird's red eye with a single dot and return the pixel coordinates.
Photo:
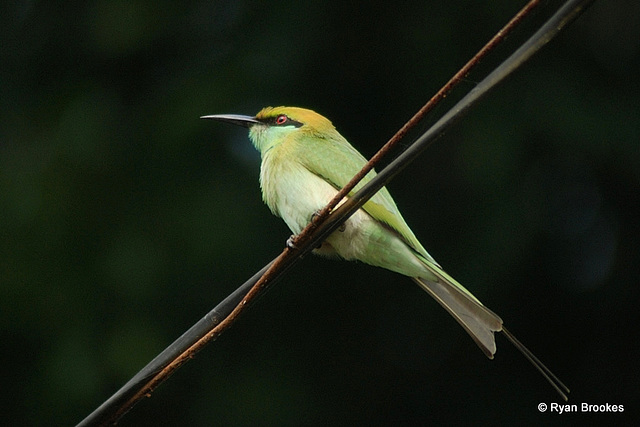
(281, 119)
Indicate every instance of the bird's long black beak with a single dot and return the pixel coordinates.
(236, 119)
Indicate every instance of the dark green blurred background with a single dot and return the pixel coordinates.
(124, 218)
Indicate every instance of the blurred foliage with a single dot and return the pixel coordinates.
(124, 218)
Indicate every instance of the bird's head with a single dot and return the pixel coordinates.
(276, 125)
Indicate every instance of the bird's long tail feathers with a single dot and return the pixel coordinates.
(479, 321)
(555, 382)
(476, 319)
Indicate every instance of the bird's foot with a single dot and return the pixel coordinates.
(291, 242)
(342, 227)
(314, 216)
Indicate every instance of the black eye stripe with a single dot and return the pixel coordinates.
(282, 120)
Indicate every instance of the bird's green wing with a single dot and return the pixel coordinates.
(336, 161)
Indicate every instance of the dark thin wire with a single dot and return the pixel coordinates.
(162, 366)
(564, 16)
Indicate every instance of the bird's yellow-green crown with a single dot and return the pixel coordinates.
(306, 117)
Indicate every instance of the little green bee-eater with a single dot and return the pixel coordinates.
(305, 161)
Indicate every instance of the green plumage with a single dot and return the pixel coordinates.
(305, 161)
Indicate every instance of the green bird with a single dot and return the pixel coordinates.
(305, 161)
